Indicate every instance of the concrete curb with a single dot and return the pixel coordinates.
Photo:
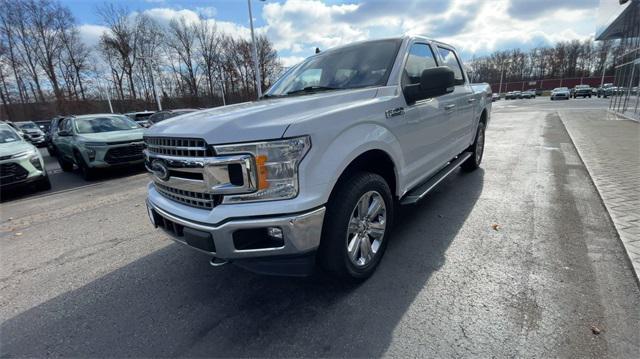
(634, 268)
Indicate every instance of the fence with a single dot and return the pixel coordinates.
(550, 84)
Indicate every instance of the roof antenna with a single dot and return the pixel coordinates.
(317, 50)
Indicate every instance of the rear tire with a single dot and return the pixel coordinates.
(477, 150)
(357, 226)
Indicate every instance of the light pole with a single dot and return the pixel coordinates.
(255, 54)
(604, 68)
(153, 83)
(501, 74)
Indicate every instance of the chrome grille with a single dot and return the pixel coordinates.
(193, 199)
(179, 147)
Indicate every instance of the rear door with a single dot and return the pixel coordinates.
(464, 100)
(426, 133)
(63, 143)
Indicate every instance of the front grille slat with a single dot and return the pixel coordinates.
(179, 147)
(193, 199)
(12, 172)
(124, 154)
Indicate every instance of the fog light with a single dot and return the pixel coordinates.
(274, 232)
(35, 161)
(91, 153)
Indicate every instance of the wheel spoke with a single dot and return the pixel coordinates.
(353, 247)
(363, 205)
(376, 232)
(353, 225)
(375, 207)
(365, 249)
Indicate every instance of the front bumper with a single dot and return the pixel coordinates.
(301, 233)
(129, 153)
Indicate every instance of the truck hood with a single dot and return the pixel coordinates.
(260, 120)
(11, 148)
(112, 136)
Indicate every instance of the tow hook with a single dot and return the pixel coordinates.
(217, 262)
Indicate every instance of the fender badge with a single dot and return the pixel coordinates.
(395, 112)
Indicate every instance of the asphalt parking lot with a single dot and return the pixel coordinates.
(517, 259)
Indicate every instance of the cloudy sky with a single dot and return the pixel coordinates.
(297, 27)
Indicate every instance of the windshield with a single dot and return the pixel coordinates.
(7, 134)
(104, 124)
(360, 65)
(560, 89)
(28, 126)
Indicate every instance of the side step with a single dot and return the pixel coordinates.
(419, 192)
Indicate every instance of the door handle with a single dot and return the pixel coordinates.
(471, 100)
(449, 107)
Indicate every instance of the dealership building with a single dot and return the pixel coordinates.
(620, 20)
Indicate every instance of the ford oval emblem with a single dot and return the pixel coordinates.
(160, 170)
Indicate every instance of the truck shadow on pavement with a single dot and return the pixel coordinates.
(172, 303)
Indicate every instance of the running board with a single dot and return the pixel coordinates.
(419, 192)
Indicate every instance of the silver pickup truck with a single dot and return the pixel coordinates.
(309, 176)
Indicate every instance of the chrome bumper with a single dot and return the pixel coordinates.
(301, 233)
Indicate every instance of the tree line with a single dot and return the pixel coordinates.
(44, 64)
(567, 59)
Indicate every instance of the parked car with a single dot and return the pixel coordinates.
(43, 125)
(606, 90)
(15, 127)
(167, 114)
(32, 133)
(141, 117)
(313, 171)
(20, 162)
(97, 141)
(512, 95)
(531, 93)
(495, 97)
(53, 128)
(560, 93)
(528, 94)
(582, 91)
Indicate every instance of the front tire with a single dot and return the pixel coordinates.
(44, 184)
(477, 150)
(65, 165)
(86, 171)
(356, 227)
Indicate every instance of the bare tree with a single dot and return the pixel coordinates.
(182, 40)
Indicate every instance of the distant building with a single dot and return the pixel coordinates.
(620, 19)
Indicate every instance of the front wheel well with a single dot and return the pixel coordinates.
(374, 161)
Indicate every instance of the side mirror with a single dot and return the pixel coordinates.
(64, 133)
(434, 82)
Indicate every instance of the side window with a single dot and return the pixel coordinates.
(66, 125)
(449, 59)
(420, 58)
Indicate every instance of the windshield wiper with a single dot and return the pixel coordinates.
(312, 89)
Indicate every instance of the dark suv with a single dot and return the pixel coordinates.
(582, 91)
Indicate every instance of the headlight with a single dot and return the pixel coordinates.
(276, 167)
(25, 153)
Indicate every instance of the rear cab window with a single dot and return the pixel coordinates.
(450, 60)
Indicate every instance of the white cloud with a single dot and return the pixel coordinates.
(288, 61)
(476, 27)
(90, 34)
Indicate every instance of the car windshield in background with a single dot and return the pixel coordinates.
(7, 134)
(361, 65)
(105, 124)
(561, 89)
(28, 126)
